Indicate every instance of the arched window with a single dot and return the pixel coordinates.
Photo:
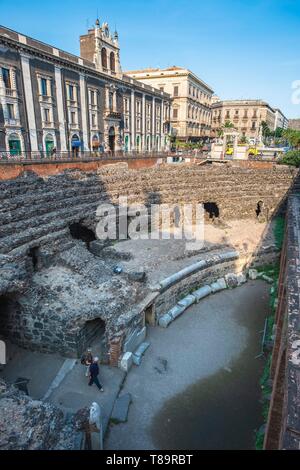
(112, 62)
(104, 58)
(49, 144)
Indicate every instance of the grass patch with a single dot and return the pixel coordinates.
(279, 231)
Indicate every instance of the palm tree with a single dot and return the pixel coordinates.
(227, 125)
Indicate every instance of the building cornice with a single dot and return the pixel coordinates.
(62, 62)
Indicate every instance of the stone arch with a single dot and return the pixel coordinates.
(212, 210)
(75, 144)
(14, 144)
(91, 334)
(112, 139)
(259, 208)
(127, 143)
(112, 61)
(79, 232)
(10, 314)
(49, 144)
(104, 58)
(138, 143)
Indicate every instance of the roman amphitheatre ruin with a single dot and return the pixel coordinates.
(60, 292)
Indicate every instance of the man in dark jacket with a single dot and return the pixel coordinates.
(94, 373)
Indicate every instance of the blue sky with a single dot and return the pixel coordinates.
(242, 49)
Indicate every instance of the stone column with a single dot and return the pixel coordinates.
(153, 124)
(29, 102)
(162, 140)
(235, 146)
(84, 120)
(60, 110)
(132, 121)
(144, 130)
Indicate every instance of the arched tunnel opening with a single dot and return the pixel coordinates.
(9, 315)
(79, 232)
(212, 210)
(92, 336)
(259, 208)
(33, 254)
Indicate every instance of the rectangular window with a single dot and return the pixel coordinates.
(175, 113)
(111, 101)
(44, 87)
(176, 91)
(94, 120)
(10, 111)
(46, 115)
(73, 117)
(71, 93)
(6, 77)
(92, 97)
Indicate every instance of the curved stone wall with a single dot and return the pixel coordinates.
(58, 285)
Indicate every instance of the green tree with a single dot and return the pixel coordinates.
(293, 137)
(291, 158)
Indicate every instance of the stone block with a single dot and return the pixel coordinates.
(267, 279)
(165, 321)
(142, 349)
(137, 276)
(218, 286)
(126, 362)
(202, 293)
(139, 353)
(253, 274)
(187, 301)
(176, 311)
(121, 409)
(242, 279)
(135, 339)
(137, 360)
(232, 280)
(97, 246)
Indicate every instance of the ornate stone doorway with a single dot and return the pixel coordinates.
(112, 139)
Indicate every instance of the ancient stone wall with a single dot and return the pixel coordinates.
(51, 284)
(283, 427)
(27, 424)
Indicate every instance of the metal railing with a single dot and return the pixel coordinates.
(44, 157)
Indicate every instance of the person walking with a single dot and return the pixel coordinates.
(94, 373)
(87, 360)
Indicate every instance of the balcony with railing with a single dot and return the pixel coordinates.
(11, 93)
(12, 122)
(112, 113)
(45, 99)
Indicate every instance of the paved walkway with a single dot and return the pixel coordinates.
(209, 339)
(73, 392)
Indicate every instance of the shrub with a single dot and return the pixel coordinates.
(291, 158)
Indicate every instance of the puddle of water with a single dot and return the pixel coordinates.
(224, 410)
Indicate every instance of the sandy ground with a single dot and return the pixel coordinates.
(160, 258)
(207, 340)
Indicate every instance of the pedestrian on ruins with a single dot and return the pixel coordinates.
(94, 373)
(87, 360)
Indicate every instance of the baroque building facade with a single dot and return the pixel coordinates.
(247, 117)
(53, 101)
(191, 100)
